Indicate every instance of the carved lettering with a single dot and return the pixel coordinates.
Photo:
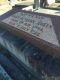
(31, 23)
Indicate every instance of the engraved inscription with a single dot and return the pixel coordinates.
(31, 23)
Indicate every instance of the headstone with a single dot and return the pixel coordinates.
(34, 24)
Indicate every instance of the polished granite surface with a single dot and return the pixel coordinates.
(3, 74)
(37, 60)
(13, 69)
